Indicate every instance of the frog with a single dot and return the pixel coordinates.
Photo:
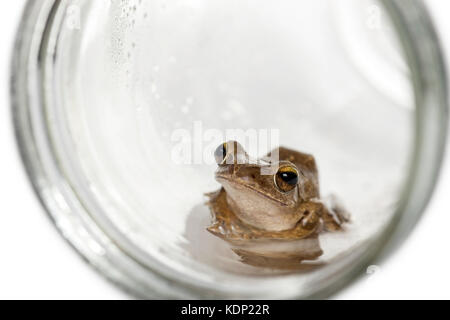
(267, 200)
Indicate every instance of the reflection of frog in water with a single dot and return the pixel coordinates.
(271, 217)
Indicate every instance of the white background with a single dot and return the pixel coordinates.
(35, 263)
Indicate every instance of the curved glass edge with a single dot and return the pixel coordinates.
(422, 50)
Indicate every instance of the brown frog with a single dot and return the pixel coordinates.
(269, 209)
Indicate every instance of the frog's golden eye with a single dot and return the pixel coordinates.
(286, 178)
(221, 153)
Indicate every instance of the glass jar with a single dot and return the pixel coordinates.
(100, 89)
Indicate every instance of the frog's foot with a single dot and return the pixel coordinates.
(212, 196)
(334, 215)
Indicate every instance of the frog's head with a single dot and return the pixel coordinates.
(256, 184)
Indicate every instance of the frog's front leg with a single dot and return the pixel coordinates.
(311, 212)
(315, 212)
(334, 216)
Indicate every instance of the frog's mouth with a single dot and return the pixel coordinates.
(228, 180)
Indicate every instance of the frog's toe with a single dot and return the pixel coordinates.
(332, 226)
(333, 220)
(216, 229)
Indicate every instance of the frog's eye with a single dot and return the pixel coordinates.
(286, 178)
(221, 153)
